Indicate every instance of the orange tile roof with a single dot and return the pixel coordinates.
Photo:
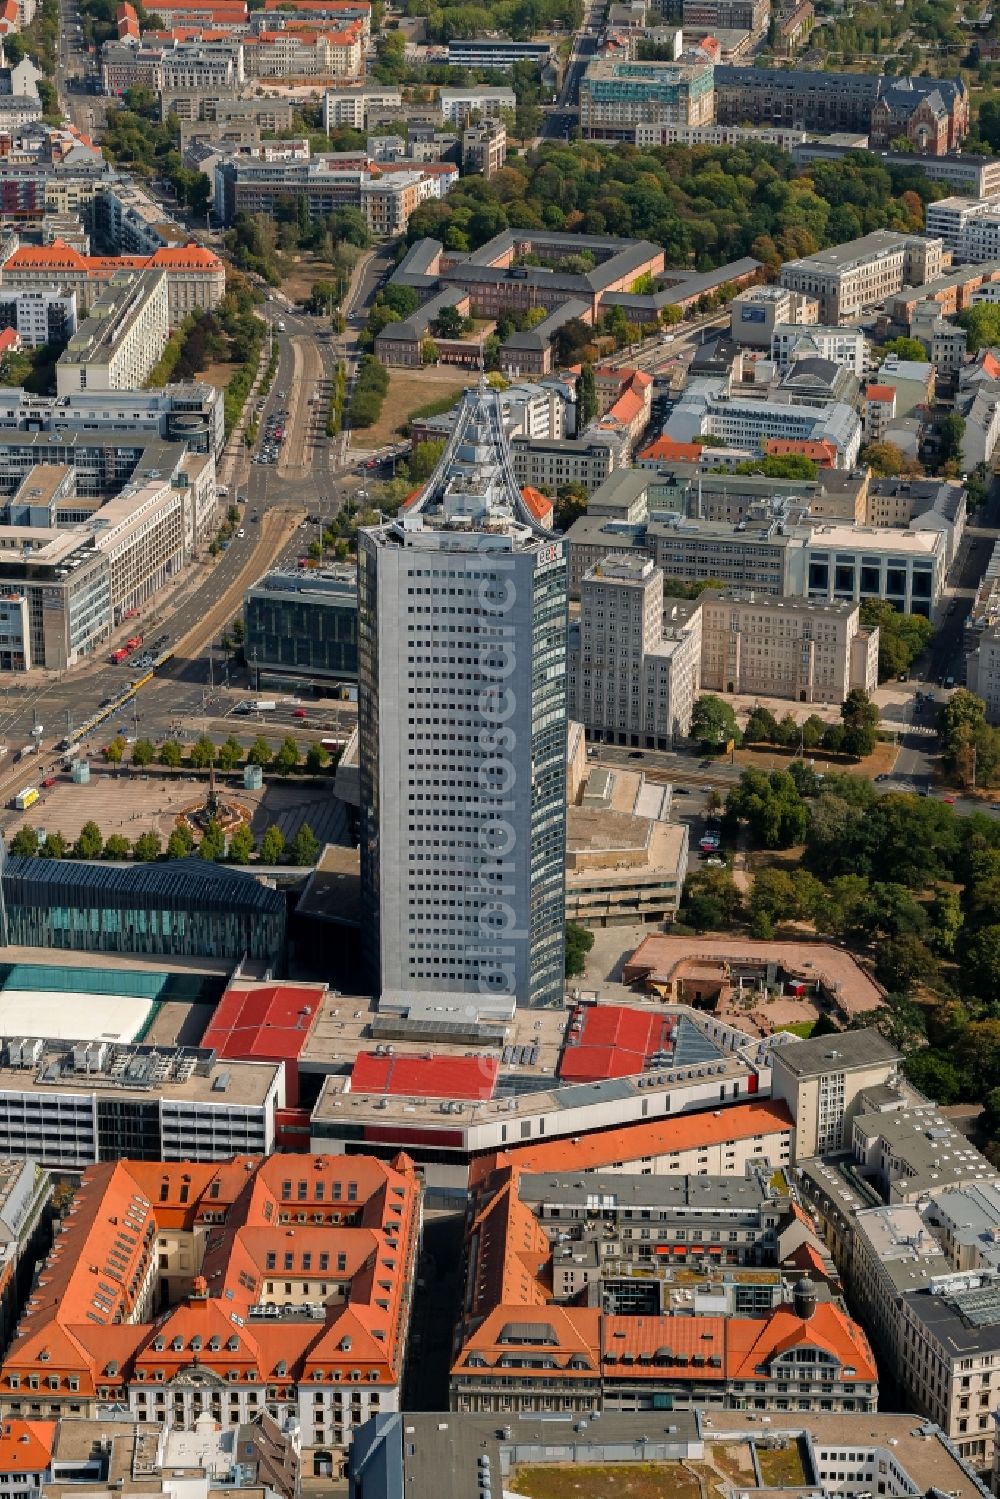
(627, 409)
(347, 1220)
(667, 448)
(9, 339)
(880, 393)
(822, 452)
(539, 504)
(828, 1329)
(591, 1152)
(990, 364)
(60, 256)
(26, 1446)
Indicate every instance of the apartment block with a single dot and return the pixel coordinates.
(785, 647)
(484, 148)
(948, 217)
(633, 678)
(748, 424)
(328, 54)
(547, 465)
(728, 15)
(39, 317)
(486, 101)
(352, 106)
(982, 671)
(388, 201)
(121, 339)
(615, 96)
(822, 1083)
(851, 278)
(225, 1293)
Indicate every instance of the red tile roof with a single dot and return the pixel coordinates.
(9, 339)
(667, 448)
(880, 393)
(822, 452)
(613, 1041)
(425, 1077)
(26, 1446)
(539, 504)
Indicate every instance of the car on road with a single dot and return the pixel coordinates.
(949, 799)
(299, 713)
(49, 781)
(241, 532)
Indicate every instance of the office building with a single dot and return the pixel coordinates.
(821, 1082)
(128, 221)
(615, 96)
(756, 312)
(466, 548)
(121, 339)
(68, 1106)
(182, 908)
(632, 677)
(747, 423)
(727, 15)
(623, 1345)
(785, 647)
(303, 625)
(850, 279)
(278, 1287)
(845, 347)
(442, 1455)
(500, 52)
(196, 278)
(932, 112)
(625, 861)
(948, 218)
(852, 563)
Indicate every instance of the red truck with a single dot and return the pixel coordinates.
(118, 656)
(133, 643)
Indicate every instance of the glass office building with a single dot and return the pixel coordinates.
(183, 908)
(303, 625)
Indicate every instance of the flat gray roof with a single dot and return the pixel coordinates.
(850, 1051)
(717, 1194)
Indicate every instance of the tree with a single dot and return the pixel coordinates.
(713, 722)
(781, 895)
(316, 759)
(906, 348)
(424, 460)
(812, 731)
(230, 754)
(170, 754)
(761, 727)
(900, 960)
(260, 752)
(429, 352)
(114, 751)
(952, 435)
(181, 842)
(901, 637)
(980, 963)
(25, 842)
(272, 845)
(241, 845)
(885, 459)
(213, 842)
(449, 323)
(586, 397)
(934, 1075)
(305, 846)
(147, 847)
(861, 717)
(710, 900)
(288, 755)
(946, 921)
(54, 847)
(116, 847)
(579, 941)
(571, 503)
(143, 752)
(771, 806)
(89, 843)
(202, 752)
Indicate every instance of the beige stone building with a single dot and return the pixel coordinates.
(850, 278)
(785, 647)
(632, 677)
(822, 1081)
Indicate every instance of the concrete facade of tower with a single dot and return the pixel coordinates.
(462, 612)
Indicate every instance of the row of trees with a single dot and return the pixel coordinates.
(227, 756)
(713, 725)
(970, 747)
(371, 386)
(239, 847)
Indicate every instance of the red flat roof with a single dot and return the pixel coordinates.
(613, 1041)
(425, 1077)
(264, 1021)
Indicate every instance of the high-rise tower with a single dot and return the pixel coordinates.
(462, 725)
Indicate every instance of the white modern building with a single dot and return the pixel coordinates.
(352, 106)
(40, 317)
(748, 423)
(843, 346)
(488, 101)
(851, 563)
(462, 728)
